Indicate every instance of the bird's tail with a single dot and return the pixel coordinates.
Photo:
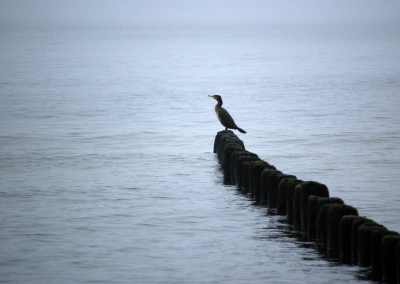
(241, 130)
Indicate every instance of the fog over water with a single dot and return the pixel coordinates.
(108, 13)
(106, 135)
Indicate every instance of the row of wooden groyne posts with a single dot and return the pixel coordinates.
(336, 227)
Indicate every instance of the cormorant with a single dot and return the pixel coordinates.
(223, 115)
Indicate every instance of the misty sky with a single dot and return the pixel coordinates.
(117, 12)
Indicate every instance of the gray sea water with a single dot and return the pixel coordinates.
(106, 136)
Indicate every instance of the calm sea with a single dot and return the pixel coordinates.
(106, 136)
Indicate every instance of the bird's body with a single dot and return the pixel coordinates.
(223, 115)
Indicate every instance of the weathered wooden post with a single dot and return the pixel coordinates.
(335, 214)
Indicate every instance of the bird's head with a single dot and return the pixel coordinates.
(216, 97)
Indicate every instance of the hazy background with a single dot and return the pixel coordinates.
(106, 134)
(100, 12)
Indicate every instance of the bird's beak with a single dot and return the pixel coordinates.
(211, 96)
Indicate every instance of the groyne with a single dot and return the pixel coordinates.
(334, 226)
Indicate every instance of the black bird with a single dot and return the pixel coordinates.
(223, 115)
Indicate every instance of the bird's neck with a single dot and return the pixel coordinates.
(219, 104)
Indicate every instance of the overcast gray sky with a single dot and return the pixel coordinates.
(111, 12)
